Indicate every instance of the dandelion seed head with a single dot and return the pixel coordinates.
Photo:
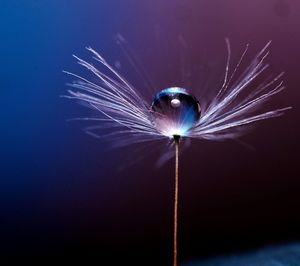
(175, 112)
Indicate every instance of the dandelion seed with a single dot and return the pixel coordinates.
(175, 113)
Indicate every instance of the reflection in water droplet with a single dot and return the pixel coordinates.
(175, 103)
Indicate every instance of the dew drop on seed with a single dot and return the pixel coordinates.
(175, 111)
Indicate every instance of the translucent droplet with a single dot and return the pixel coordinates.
(175, 111)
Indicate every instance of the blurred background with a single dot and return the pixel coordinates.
(67, 197)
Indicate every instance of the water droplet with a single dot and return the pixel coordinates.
(175, 111)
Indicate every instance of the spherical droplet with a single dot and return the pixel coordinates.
(175, 111)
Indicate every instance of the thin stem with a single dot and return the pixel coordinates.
(176, 200)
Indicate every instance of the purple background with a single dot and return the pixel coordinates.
(62, 196)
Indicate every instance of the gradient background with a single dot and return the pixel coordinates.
(62, 197)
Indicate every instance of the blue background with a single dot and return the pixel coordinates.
(61, 193)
